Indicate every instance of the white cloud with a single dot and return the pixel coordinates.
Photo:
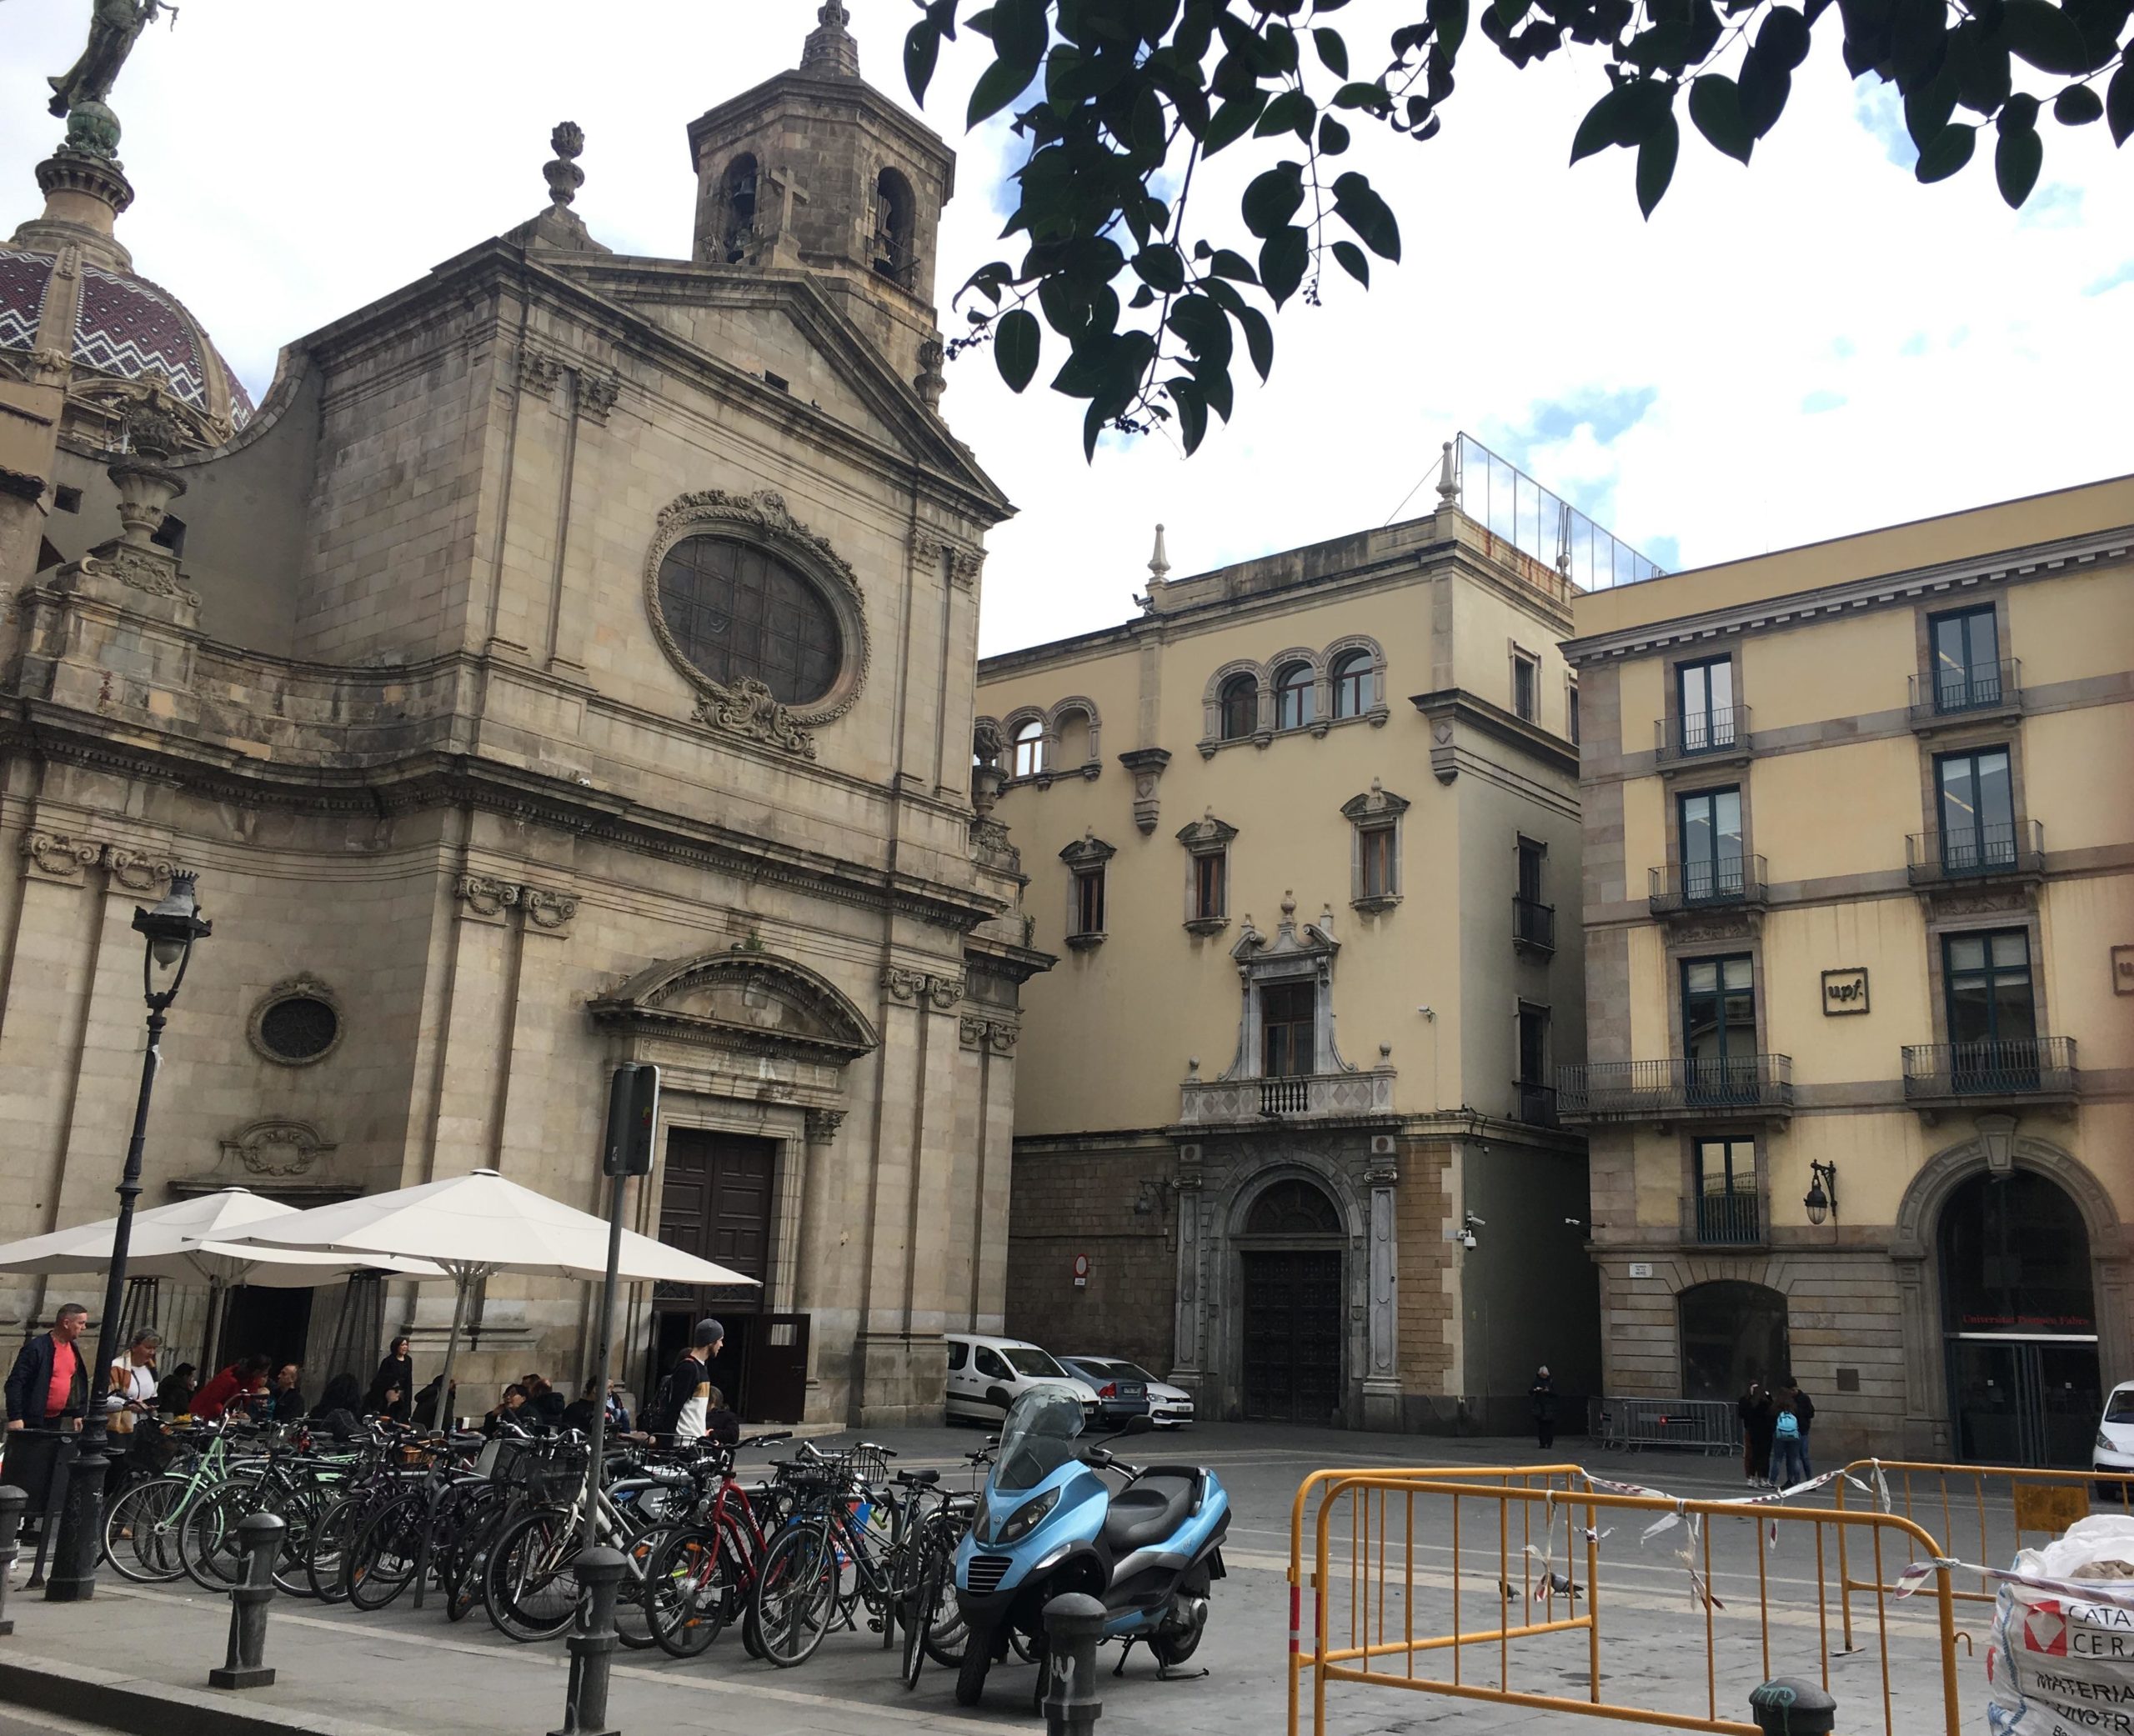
(296, 161)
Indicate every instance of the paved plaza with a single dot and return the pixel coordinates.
(343, 1674)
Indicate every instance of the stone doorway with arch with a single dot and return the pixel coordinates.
(1732, 1333)
(2011, 1266)
(1290, 1253)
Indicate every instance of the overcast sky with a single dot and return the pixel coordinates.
(1810, 347)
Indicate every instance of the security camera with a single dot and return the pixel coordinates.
(1576, 1222)
(1429, 1012)
(1474, 1222)
(1467, 1239)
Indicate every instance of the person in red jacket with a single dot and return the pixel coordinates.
(235, 1384)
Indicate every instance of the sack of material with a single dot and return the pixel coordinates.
(2061, 1665)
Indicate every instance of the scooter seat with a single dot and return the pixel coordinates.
(1149, 1509)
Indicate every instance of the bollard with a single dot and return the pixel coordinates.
(1789, 1707)
(592, 1644)
(259, 1538)
(1074, 1622)
(12, 1501)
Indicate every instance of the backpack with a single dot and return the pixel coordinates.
(660, 1413)
(1789, 1426)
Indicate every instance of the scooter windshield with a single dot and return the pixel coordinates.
(1037, 1438)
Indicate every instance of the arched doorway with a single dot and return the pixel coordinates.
(1290, 1248)
(1732, 1333)
(2019, 1322)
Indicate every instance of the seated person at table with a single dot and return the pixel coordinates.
(233, 1389)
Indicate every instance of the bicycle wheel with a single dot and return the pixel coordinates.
(301, 1513)
(326, 1550)
(478, 1518)
(797, 1594)
(919, 1617)
(139, 1538)
(530, 1583)
(382, 1556)
(208, 1536)
(947, 1633)
(691, 1589)
(633, 1594)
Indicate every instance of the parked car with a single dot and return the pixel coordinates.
(2115, 1447)
(1119, 1395)
(986, 1375)
(1169, 1406)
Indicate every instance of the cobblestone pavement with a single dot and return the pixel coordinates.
(402, 1670)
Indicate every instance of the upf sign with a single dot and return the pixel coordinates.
(1845, 991)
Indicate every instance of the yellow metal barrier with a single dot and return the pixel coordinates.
(2040, 1505)
(1373, 1614)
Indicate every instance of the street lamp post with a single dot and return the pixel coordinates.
(170, 930)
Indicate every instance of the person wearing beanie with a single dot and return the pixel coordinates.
(686, 1402)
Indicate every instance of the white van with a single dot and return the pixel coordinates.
(987, 1375)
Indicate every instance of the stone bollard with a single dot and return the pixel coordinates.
(12, 1501)
(1789, 1707)
(1074, 1622)
(259, 1540)
(592, 1644)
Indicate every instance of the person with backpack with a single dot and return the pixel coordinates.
(1789, 1462)
(684, 1400)
(1804, 1413)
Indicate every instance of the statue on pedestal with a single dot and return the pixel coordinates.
(79, 92)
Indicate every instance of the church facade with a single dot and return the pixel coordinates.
(569, 661)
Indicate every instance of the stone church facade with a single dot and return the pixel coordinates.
(570, 661)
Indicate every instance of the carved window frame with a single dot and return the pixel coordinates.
(1207, 837)
(1087, 859)
(1012, 727)
(1378, 711)
(763, 520)
(1281, 663)
(1377, 812)
(1211, 705)
(299, 988)
(1520, 656)
(1054, 719)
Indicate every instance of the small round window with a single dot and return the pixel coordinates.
(738, 612)
(298, 1029)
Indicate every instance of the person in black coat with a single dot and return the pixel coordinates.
(1759, 1414)
(397, 1370)
(1543, 1396)
(58, 1358)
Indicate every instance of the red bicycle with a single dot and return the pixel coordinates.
(703, 1575)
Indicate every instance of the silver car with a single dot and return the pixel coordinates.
(1170, 1407)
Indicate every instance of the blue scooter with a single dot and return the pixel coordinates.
(1049, 1524)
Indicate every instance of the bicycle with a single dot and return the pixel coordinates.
(705, 1571)
(801, 1592)
(141, 1527)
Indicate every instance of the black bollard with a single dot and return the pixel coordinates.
(12, 1501)
(1789, 1707)
(1074, 1622)
(259, 1538)
(592, 1644)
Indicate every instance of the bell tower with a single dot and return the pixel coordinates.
(814, 170)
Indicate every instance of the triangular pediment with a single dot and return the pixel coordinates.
(749, 999)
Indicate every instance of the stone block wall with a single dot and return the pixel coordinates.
(1067, 1201)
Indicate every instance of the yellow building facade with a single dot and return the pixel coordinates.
(1298, 835)
(1858, 905)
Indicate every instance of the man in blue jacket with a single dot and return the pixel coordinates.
(49, 1386)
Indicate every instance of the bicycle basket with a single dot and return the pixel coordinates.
(870, 1465)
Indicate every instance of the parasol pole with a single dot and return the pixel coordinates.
(464, 1278)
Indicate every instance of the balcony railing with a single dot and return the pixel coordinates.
(1728, 1217)
(1702, 885)
(1293, 1096)
(1731, 1085)
(2002, 1067)
(1536, 1105)
(1958, 692)
(1722, 730)
(1981, 853)
(1533, 925)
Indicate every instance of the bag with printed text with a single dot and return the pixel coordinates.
(2062, 1665)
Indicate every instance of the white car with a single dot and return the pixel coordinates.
(2114, 1449)
(986, 1375)
(1170, 1407)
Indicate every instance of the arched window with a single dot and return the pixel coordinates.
(1732, 1333)
(893, 228)
(1030, 748)
(1296, 701)
(740, 196)
(1292, 1208)
(1073, 732)
(1354, 689)
(1240, 705)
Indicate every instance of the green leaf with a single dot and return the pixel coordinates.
(1350, 258)
(1333, 52)
(1597, 130)
(922, 48)
(1930, 105)
(1360, 207)
(1291, 112)
(1258, 340)
(2016, 159)
(2042, 34)
(1147, 126)
(1282, 258)
(1022, 30)
(1784, 37)
(1656, 164)
(1272, 198)
(1160, 267)
(1232, 121)
(1372, 96)
(997, 86)
(1094, 423)
(1451, 18)
(2119, 103)
(1509, 12)
(1192, 411)
(2077, 106)
(1715, 111)
(1334, 137)
(1225, 264)
(1948, 152)
(1017, 338)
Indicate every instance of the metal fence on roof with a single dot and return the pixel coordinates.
(1511, 505)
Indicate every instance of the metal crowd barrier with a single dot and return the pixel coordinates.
(1493, 1616)
(1702, 1425)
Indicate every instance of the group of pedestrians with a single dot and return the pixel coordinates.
(1775, 1425)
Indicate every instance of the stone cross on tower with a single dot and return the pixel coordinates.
(830, 51)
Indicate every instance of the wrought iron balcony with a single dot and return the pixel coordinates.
(1536, 1105)
(1725, 1087)
(1533, 925)
(2038, 1069)
(1988, 690)
(1722, 733)
(1983, 853)
(1737, 881)
(1734, 1218)
(1294, 1097)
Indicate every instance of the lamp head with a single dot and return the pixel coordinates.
(171, 927)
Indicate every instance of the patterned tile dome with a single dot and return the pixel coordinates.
(126, 331)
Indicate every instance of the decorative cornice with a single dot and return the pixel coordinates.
(133, 872)
(913, 986)
(978, 1031)
(490, 897)
(54, 856)
(539, 371)
(597, 393)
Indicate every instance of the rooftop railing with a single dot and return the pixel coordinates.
(1511, 506)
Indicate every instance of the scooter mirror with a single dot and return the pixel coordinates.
(1139, 1425)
